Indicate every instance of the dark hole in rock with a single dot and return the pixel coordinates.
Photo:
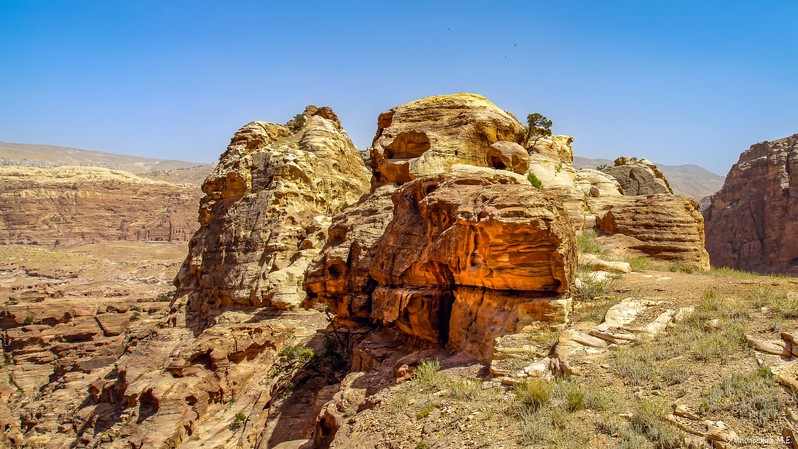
(148, 405)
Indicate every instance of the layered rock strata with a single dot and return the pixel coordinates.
(74, 205)
(466, 257)
(665, 227)
(752, 223)
(265, 214)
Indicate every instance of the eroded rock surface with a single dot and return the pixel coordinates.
(430, 135)
(638, 176)
(466, 257)
(74, 205)
(265, 214)
(665, 227)
(752, 223)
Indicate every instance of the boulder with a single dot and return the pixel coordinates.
(752, 222)
(428, 136)
(638, 176)
(265, 214)
(665, 227)
(508, 155)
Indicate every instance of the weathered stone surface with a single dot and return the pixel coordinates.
(265, 214)
(340, 276)
(508, 155)
(74, 205)
(665, 227)
(752, 223)
(638, 176)
(465, 257)
(550, 161)
(428, 136)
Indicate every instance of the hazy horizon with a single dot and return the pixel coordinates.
(676, 82)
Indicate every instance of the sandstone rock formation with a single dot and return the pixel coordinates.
(638, 176)
(265, 214)
(430, 135)
(665, 227)
(752, 223)
(466, 257)
(72, 205)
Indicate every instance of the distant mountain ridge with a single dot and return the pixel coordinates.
(48, 156)
(51, 156)
(687, 180)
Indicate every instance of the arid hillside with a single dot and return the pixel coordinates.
(72, 205)
(459, 288)
(48, 156)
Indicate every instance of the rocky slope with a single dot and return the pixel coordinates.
(71, 205)
(313, 284)
(752, 223)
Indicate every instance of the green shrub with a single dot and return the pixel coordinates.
(587, 242)
(28, 320)
(427, 373)
(534, 393)
(534, 181)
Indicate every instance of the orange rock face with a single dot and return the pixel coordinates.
(752, 223)
(466, 257)
(74, 205)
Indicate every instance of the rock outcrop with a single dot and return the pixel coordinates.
(74, 205)
(466, 257)
(265, 214)
(638, 176)
(752, 223)
(665, 227)
(430, 135)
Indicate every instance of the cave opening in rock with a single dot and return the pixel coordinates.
(497, 163)
(408, 145)
(445, 315)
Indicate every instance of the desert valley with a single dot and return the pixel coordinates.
(458, 284)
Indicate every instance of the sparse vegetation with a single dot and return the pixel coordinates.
(427, 373)
(781, 305)
(534, 393)
(136, 315)
(648, 420)
(591, 288)
(594, 311)
(536, 183)
(753, 396)
(28, 320)
(424, 412)
(587, 242)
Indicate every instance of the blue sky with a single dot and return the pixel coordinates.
(675, 81)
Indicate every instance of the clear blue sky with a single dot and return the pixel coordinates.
(675, 81)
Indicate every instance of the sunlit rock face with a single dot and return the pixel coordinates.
(465, 257)
(638, 176)
(752, 223)
(265, 213)
(430, 135)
